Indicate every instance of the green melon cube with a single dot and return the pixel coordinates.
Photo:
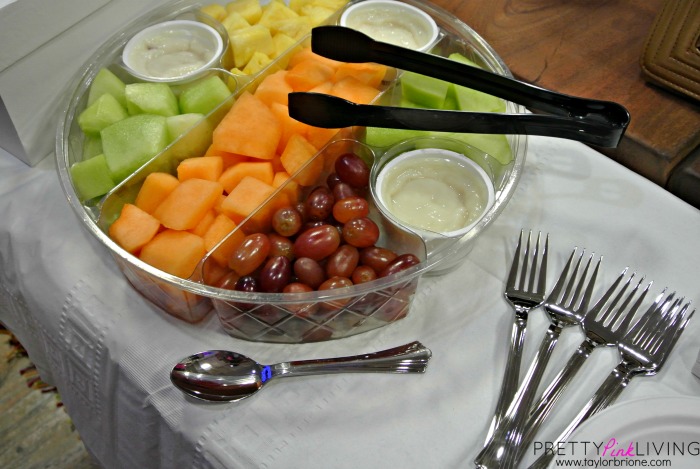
(495, 145)
(133, 141)
(151, 98)
(104, 112)
(92, 146)
(379, 137)
(106, 82)
(91, 177)
(423, 90)
(468, 99)
(180, 124)
(204, 96)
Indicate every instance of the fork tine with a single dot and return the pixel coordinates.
(662, 344)
(572, 278)
(526, 258)
(556, 291)
(669, 320)
(639, 327)
(513, 274)
(583, 303)
(627, 320)
(599, 311)
(543, 268)
(531, 286)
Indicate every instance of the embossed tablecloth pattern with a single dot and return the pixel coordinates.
(109, 351)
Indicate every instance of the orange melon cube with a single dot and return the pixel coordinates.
(261, 170)
(318, 136)
(309, 74)
(307, 54)
(201, 167)
(324, 88)
(354, 90)
(371, 74)
(155, 188)
(174, 252)
(204, 223)
(290, 126)
(298, 154)
(274, 89)
(134, 228)
(185, 207)
(291, 189)
(249, 129)
(246, 197)
(222, 230)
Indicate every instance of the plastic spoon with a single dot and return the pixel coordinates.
(220, 375)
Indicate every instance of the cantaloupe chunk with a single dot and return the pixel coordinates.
(174, 252)
(247, 196)
(290, 126)
(220, 229)
(292, 188)
(324, 88)
(249, 128)
(228, 159)
(370, 73)
(201, 167)
(318, 136)
(155, 188)
(204, 223)
(298, 153)
(307, 54)
(134, 228)
(188, 203)
(354, 90)
(274, 89)
(261, 170)
(309, 74)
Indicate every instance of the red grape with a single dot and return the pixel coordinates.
(250, 254)
(309, 272)
(343, 190)
(343, 261)
(363, 274)
(287, 221)
(402, 262)
(352, 169)
(376, 257)
(317, 242)
(346, 209)
(319, 204)
(361, 232)
(280, 246)
(275, 275)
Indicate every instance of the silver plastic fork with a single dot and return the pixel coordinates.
(525, 290)
(604, 325)
(643, 352)
(565, 307)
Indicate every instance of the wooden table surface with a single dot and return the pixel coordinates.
(592, 48)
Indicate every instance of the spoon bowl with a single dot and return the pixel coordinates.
(224, 376)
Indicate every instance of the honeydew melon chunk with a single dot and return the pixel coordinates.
(468, 99)
(104, 112)
(381, 138)
(180, 124)
(91, 177)
(151, 98)
(106, 82)
(131, 142)
(203, 96)
(495, 145)
(423, 90)
(92, 146)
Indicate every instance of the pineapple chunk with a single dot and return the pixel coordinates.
(282, 43)
(334, 5)
(215, 10)
(245, 42)
(234, 22)
(297, 5)
(256, 63)
(296, 28)
(274, 12)
(318, 14)
(248, 9)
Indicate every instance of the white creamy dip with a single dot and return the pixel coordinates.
(393, 22)
(172, 50)
(434, 192)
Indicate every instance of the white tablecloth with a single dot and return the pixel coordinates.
(109, 351)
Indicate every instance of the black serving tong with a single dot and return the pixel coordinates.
(600, 123)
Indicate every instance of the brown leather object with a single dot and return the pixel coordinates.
(671, 57)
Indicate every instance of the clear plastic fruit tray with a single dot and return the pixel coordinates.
(285, 317)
